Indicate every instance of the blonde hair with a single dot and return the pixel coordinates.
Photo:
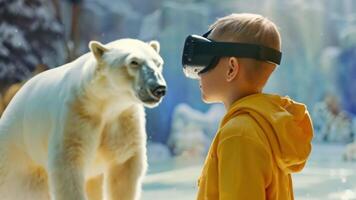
(254, 29)
(248, 28)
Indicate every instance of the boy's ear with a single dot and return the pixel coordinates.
(233, 69)
(155, 45)
(97, 49)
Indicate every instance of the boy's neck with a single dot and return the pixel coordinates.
(235, 97)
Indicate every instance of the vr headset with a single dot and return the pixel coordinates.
(201, 54)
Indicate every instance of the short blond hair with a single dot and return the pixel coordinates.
(253, 29)
(248, 28)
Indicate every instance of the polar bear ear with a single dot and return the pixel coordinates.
(97, 49)
(155, 45)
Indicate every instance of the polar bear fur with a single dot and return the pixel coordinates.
(77, 132)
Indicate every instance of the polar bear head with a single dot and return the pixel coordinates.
(132, 66)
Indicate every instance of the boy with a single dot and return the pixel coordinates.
(263, 138)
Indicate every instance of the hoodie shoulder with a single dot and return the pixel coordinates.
(241, 125)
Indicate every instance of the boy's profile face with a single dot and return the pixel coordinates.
(212, 83)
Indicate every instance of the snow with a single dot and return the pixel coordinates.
(20, 7)
(350, 152)
(326, 177)
(3, 51)
(29, 35)
(11, 35)
(348, 37)
(329, 126)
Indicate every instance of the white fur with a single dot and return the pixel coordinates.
(77, 132)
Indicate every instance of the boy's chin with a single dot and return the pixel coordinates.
(207, 100)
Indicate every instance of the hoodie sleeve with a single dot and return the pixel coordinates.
(244, 169)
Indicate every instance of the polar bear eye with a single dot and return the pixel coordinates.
(158, 64)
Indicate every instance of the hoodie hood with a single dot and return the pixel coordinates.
(286, 124)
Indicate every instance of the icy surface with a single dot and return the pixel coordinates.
(326, 176)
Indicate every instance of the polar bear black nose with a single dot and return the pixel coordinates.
(159, 91)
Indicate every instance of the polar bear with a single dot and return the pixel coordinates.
(77, 132)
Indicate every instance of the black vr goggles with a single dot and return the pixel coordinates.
(201, 54)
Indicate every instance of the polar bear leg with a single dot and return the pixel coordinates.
(68, 158)
(124, 180)
(32, 183)
(94, 188)
(19, 178)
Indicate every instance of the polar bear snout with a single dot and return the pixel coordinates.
(152, 92)
(159, 91)
(151, 86)
(156, 91)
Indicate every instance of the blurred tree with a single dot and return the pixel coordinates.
(74, 39)
(30, 34)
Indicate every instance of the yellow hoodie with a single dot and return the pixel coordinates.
(261, 140)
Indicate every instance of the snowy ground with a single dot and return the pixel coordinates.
(326, 177)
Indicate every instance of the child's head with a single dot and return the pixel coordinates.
(233, 77)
